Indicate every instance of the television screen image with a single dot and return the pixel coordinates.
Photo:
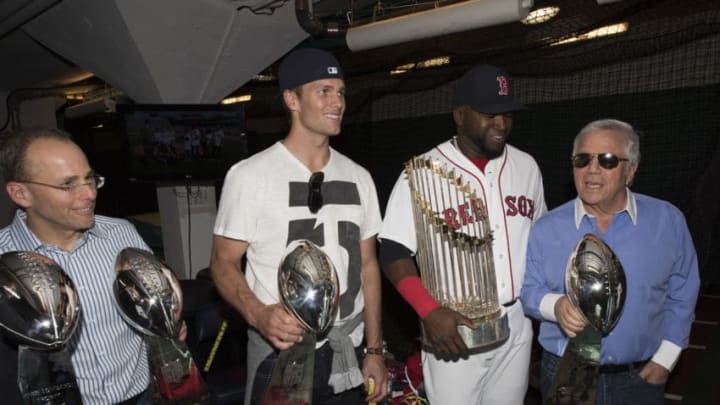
(172, 141)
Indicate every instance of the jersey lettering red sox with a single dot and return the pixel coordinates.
(467, 213)
(512, 190)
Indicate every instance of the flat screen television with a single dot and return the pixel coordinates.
(182, 141)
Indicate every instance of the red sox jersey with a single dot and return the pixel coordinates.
(511, 188)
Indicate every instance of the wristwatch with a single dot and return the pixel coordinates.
(380, 351)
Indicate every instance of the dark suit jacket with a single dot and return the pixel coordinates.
(9, 391)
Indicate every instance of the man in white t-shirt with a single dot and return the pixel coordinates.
(301, 188)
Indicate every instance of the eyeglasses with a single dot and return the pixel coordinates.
(605, 160)
(93, 181)
(315, 198)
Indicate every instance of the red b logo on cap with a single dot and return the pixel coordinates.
(503, 85)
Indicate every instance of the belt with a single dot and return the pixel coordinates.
(510, 303)
(621, 368)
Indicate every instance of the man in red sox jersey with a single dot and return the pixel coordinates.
(509, 182)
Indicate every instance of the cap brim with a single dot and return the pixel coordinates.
(499, 108)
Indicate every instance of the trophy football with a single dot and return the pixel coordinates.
(149, 298)
(596, 286)
(309, 290)
(454, 250)
(39, 308)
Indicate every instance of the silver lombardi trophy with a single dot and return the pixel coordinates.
(455, 258)
(596, 286)
(310, 291)
(39, 308)
(150, 299)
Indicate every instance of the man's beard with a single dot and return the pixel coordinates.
(491, 153)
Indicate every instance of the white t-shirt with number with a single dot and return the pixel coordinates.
(264, 202)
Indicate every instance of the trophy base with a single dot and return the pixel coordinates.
(47, 377)
(292, 379)
(175, 373)
(484, 335)
(575, 382)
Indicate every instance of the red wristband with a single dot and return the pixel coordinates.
(416, 295)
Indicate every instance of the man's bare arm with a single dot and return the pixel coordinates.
(280, 328)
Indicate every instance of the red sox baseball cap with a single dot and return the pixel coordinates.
(486, 89)
(306, 65)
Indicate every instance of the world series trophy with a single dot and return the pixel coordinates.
(149, 298)
(596, 286)
(454, 250)
(309, 290)
(39, 308)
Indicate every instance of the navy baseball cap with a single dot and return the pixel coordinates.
(306, 65)
(486, 89)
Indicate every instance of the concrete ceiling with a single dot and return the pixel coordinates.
(179, 51)
(200, 51)
(160, 51)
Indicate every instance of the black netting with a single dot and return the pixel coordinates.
(662, 76)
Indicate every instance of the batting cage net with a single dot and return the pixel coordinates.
(657, 68)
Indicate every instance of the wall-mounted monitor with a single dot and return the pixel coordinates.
(180, 141)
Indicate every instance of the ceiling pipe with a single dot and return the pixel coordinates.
(313, 26)
(465, 16)
(468, 15)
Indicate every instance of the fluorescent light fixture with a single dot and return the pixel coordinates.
(605, 31)
(239, 99)
(541, 15)
(465, 16)
(427, 63)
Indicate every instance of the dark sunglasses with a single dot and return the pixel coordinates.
(315, 198)
(605, 160)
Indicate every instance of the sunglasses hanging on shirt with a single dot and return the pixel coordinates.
(315, 198)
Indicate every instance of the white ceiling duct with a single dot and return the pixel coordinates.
(459, 17)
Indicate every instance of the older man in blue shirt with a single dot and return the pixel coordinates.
(651, 240)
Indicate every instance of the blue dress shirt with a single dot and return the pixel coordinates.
(652, 242)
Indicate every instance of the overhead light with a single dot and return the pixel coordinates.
(605, 31)
(464, 16)
(541, 15)
(75, 96)
(402, 69)
(427, 63)
(239, 99)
